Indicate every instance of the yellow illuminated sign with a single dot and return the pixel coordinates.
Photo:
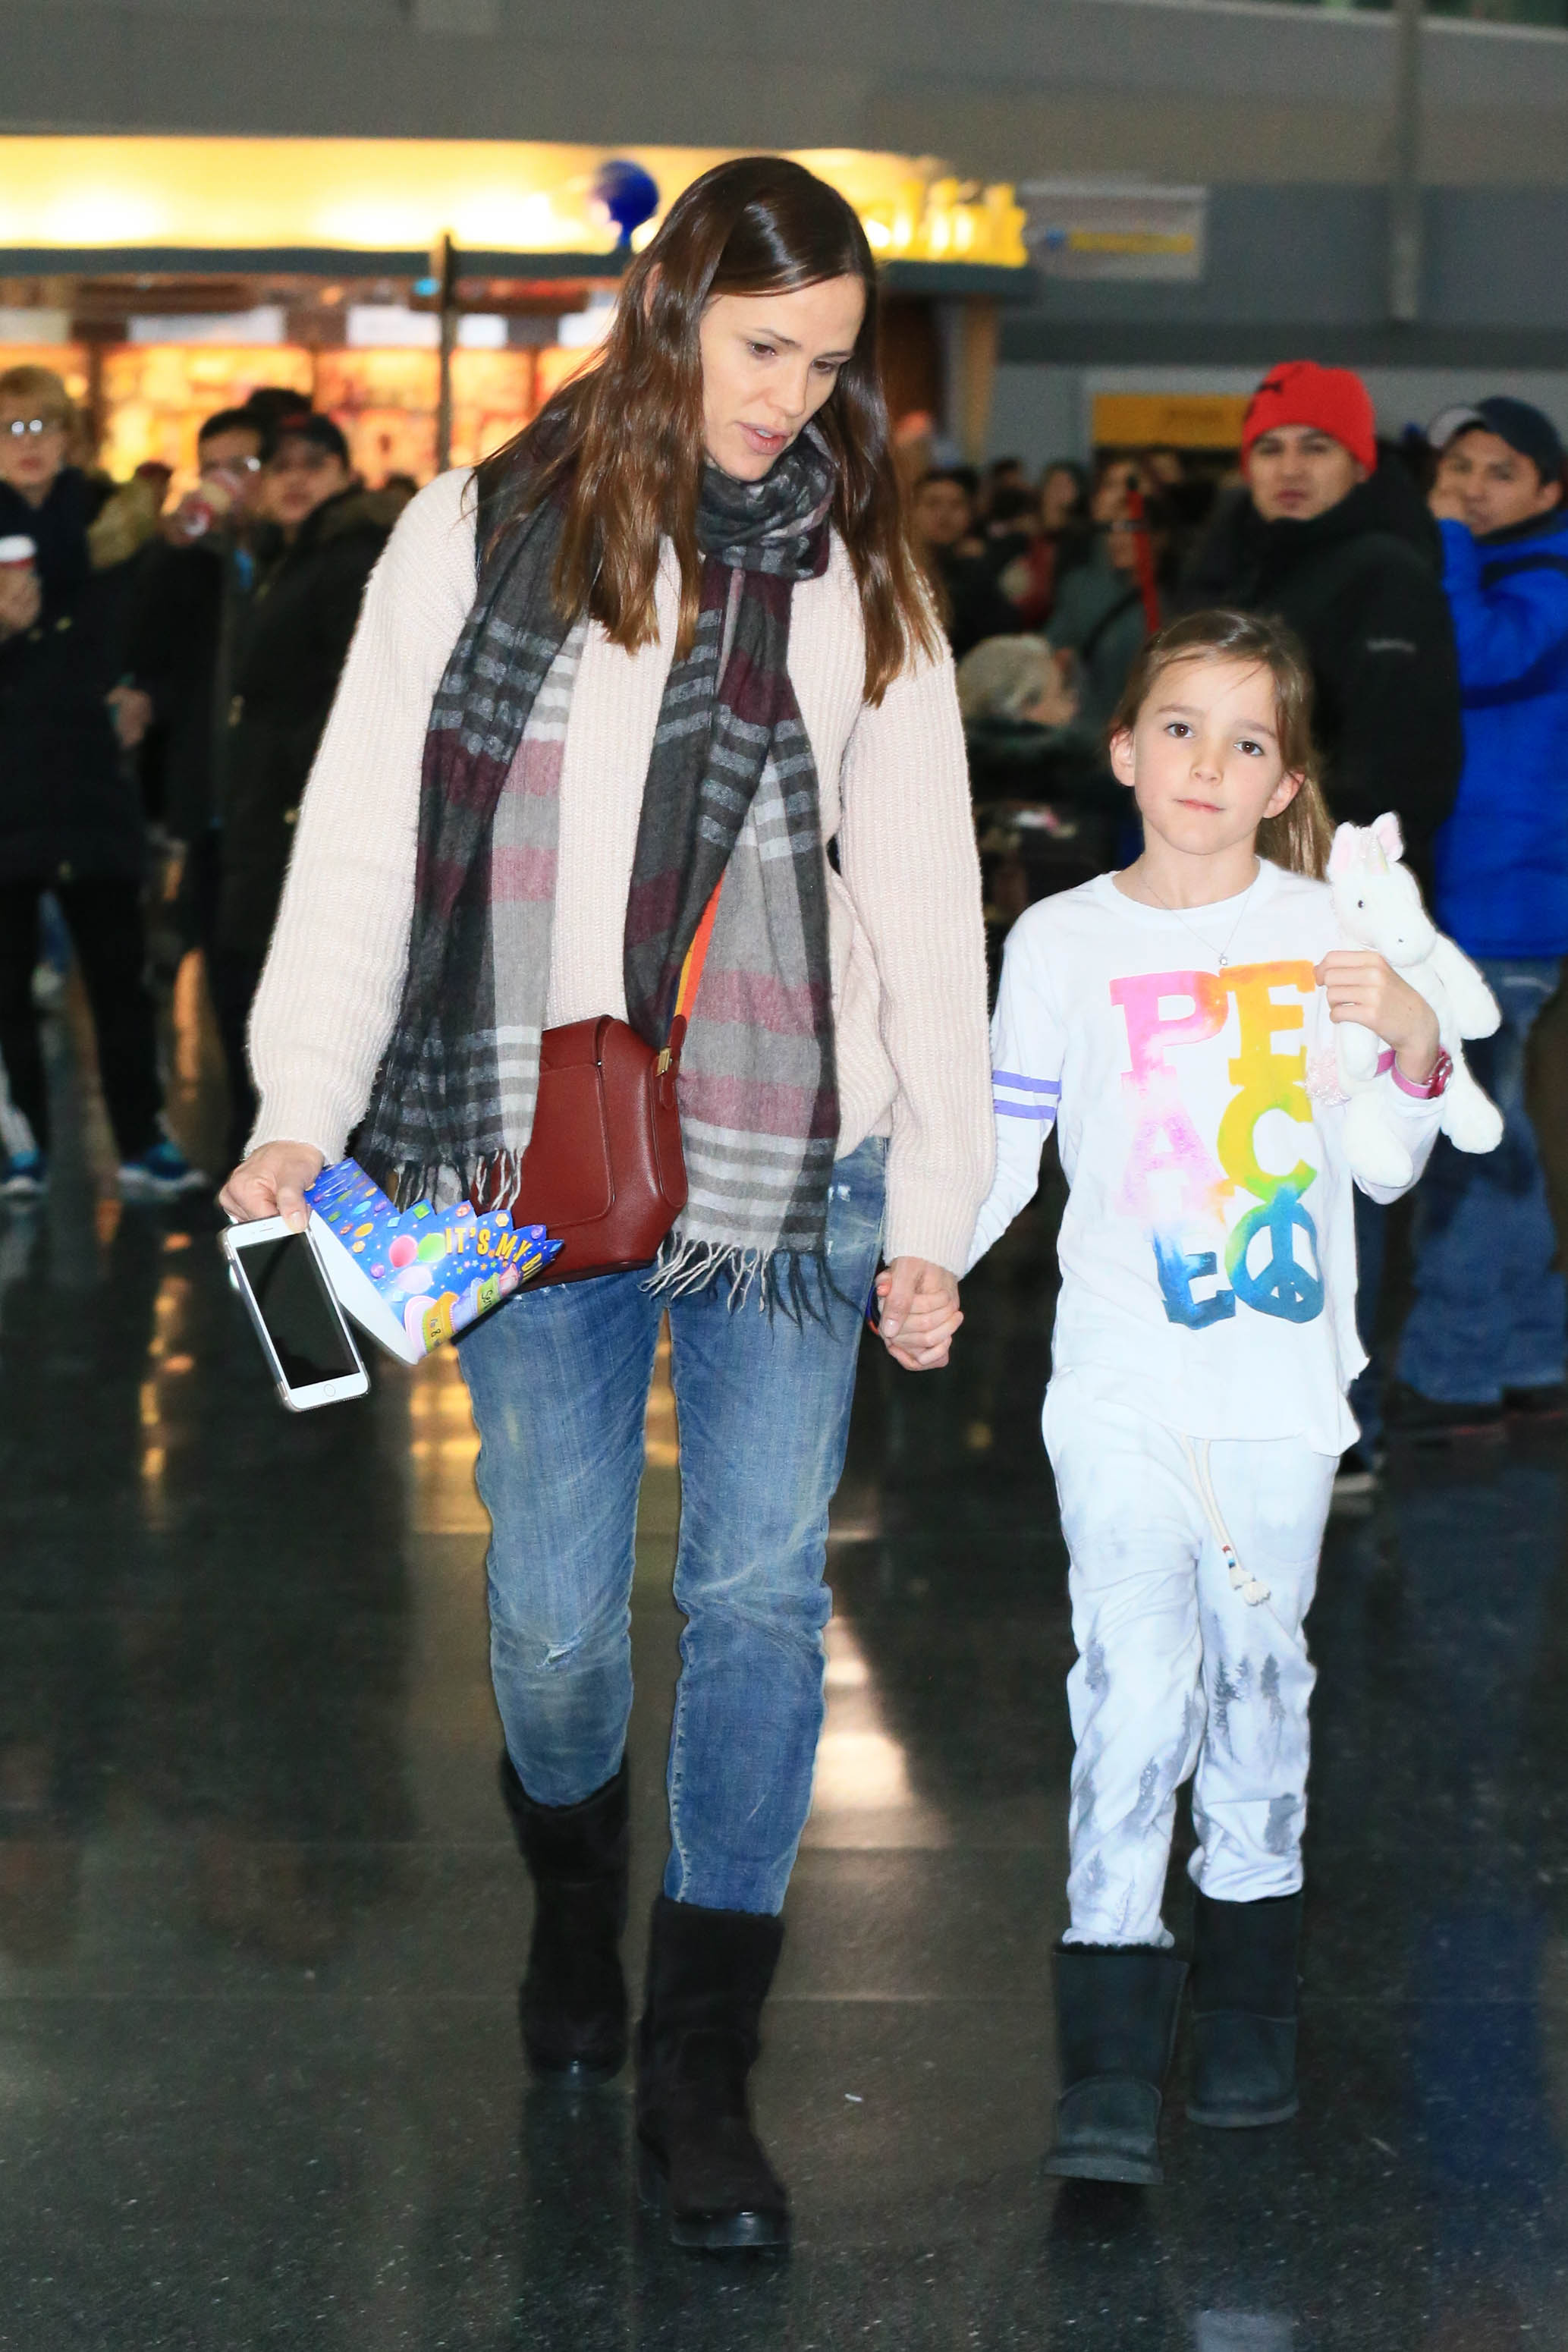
(382, 195)
(1130, 241)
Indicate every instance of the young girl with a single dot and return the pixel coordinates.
(1175, 1016)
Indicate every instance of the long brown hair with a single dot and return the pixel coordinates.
(623, 441)
(1301, 836)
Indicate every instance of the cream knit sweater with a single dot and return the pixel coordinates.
(907, 938)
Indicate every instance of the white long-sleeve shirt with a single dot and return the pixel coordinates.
(1207, 1249)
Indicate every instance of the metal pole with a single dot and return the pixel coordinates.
(1405, 180)
(443, 260)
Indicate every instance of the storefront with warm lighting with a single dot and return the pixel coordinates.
(165, 278)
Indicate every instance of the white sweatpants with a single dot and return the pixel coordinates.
(1179, 1675)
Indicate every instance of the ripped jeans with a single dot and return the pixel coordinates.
(559, 1381)
(1178, 1676)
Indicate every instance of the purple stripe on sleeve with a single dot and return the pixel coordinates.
(1026, 1086)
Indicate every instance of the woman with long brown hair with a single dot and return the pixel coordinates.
(672, 637)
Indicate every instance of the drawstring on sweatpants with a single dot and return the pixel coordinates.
(1250, 1588)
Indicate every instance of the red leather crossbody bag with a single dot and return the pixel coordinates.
(604, 1171)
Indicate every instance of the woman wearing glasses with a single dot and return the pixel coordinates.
(70, 820)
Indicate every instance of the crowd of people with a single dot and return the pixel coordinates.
(165, 677)
(728, 723)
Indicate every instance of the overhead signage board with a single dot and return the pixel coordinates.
(1119, 230)
(156, 202)
(1174, 420)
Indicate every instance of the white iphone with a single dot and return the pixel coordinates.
(308, 1346)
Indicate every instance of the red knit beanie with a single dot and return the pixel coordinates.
(1333, 400)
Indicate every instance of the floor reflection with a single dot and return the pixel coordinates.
(863, 1795)
(261, 1923)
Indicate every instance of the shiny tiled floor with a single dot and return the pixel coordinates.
(260, 1919)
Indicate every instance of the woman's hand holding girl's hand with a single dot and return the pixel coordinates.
(271, 1183)
(1361, 986)
(919, 1312)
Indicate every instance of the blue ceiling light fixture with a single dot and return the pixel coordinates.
(628, 194)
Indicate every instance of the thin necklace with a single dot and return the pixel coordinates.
(1224, 952)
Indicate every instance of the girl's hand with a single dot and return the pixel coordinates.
(1361, 986)
(919, 1312)
(271, 1183)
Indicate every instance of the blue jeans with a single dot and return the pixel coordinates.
(1489, 1304)
(559, 1381)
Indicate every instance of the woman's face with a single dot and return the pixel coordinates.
(1057, 497)
(299, 478)
(770, 361)
(32, 449)
(1113, 489)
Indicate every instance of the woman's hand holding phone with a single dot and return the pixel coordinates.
(271, 1183)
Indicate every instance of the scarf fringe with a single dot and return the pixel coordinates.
(685, 1265)
(798, 1285)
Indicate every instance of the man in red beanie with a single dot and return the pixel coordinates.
(1330, 535)
(1335, 540)
(1312, 420)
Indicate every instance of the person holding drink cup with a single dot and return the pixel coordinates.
(71, 822)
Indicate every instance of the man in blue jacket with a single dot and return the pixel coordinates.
(1486, 1333)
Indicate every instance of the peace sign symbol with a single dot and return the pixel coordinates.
(1281, 1286)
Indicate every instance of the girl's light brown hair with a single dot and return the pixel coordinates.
(1300, 836)
(623, 441)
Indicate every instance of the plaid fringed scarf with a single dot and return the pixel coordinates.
(731, 789)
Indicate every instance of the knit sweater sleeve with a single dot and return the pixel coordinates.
(910, 864)
(329, 995)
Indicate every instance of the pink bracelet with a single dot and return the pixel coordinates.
(1423, 1089)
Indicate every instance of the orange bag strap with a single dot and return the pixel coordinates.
(690, 980)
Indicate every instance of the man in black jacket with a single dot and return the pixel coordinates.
(1332, 536)
(288, 651)
(944, 519)
(186, 604)
(1335, 540)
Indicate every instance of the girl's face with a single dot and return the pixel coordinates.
(1204, 760)
(770, 361)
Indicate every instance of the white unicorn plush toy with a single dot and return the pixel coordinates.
(1378, 904)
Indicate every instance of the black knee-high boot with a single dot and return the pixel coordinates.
(1244, 1986)
(708, 1975)
(1116, 2018)
(572, 1999)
